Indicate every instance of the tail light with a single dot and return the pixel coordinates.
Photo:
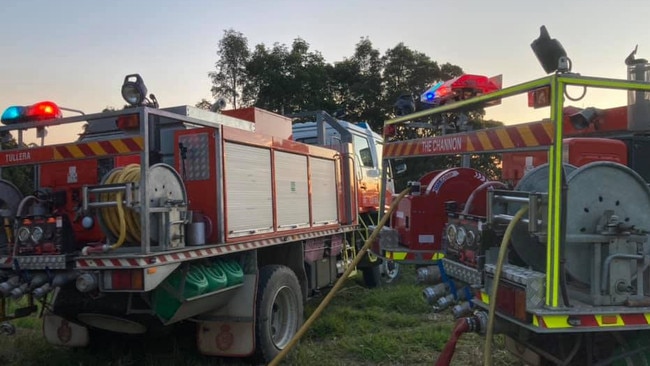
(124, 280)
(128, 122)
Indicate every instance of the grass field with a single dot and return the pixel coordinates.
(391, 325)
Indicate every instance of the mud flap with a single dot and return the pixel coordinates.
(230, 330)
(61, 332)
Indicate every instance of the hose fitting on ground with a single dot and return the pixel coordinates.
(433, 293)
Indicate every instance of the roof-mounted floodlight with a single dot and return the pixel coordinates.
(550, 53)
(584, 118)
(134, 91)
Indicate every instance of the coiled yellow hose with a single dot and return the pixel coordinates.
(125, 224)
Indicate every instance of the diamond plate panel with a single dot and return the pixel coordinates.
(41, 262)
(462, 272)
(532, 281)
(197, 162)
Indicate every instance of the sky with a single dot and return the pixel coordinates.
(77, 52)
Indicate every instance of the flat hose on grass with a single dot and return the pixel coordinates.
(487, 351)
(338, 283)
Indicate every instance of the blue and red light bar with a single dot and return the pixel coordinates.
(40, 111)
(457, 88)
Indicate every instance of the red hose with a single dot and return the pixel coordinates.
(462, 326)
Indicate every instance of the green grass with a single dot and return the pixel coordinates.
(391, 325)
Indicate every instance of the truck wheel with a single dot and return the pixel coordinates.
(279, 310)
(371, 275)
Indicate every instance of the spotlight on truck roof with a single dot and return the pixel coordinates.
(134, 91)
(550, 53)
(584, 118)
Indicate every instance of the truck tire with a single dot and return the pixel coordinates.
(371, 276)
(376, 275)
(279, 311)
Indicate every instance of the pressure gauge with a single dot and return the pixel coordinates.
(23, 233)
(451, 234)
(461, 236)
(471, 239)
(37, 234)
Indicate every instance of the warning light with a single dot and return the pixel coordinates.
(37, 112)
(459, 88)
(12, 114)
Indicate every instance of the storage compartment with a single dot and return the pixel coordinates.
(292, 190)
(249, 197)
(324, 197)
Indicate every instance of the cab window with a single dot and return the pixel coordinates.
(362, 151)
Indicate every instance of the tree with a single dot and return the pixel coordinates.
(287, 80)
(407, 72)
(230, 76)
(358, 85)
(268, 77)
(204, 104)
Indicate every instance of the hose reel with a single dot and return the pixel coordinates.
(536, 180)
(595, 192)
(118, 200)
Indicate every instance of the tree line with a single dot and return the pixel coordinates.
(288, 79)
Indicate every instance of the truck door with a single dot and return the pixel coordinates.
(368, 174)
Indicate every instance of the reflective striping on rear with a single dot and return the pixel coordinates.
(108, 262)
(98, 148)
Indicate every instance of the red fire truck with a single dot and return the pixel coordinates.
(555, 257)
(155, 216)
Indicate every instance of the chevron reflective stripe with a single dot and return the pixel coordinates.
(591, 321)
(103, 262)
(531, 135)
(413, 256)
(98, 148)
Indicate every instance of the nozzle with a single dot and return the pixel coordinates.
(8, 285)
(429, 275)
(42, 291)
(19, 291)
(461, 310)
(433, 293)
(449, 300)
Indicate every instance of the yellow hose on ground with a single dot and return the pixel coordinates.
(125, 224)
(487, 350)
(338, 283)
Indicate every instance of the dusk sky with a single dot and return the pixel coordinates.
(77, 52)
